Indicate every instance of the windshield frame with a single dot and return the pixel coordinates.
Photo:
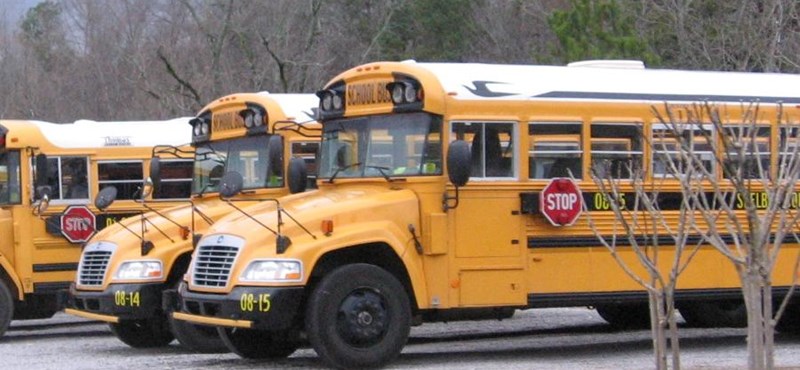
(396, 145)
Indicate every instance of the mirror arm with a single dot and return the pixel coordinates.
(446, 201)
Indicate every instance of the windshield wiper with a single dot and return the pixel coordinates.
(340, 169)
(382, 170)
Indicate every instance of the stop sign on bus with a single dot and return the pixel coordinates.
(78, 224)
(561, 201)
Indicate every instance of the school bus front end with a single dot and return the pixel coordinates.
(125, 271)
(266, 288)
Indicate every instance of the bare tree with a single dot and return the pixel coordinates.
(654, 235)
(744, 201)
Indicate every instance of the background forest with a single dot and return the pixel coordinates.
(64, 60)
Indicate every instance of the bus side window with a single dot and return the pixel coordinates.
(492, 146)
(666, 148)
(176, 179)
(756, 149)
(616, 150)
(126, 176)
(74, 178)
(555, 150)
(68, 178)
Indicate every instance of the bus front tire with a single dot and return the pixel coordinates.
(714, 314)
(6, 307)
(358, 316)
(143, 333)
(260, 344)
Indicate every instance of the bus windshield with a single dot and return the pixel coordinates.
(249, 156)
(9, 178)
(396, 145)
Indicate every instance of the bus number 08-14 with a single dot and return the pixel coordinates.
(123, 298)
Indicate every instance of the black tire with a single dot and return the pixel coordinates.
(260, 344)
(358, 316)
(625, 315)
(6, 307)
(789, 322)
(144, 333)
(714, 314)
(36, 307)
(196, 338)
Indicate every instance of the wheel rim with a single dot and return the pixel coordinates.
(362, 319)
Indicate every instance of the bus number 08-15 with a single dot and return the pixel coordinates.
(255, 302)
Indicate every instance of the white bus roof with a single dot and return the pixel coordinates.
(610, 80)
(85, 133)
(298, 106)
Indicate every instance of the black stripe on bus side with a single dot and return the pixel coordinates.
(577, 299)
(622, 240)
(666, 97)
(53, 267)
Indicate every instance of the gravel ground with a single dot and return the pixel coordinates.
(573, 338)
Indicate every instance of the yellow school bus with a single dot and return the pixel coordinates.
(48, 173)
(124, 269)
(397, 235)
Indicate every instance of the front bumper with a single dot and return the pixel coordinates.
(244, 307)
(120, 301)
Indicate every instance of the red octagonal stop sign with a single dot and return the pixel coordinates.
(78, 224)
(561, 201)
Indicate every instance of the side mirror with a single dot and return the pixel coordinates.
(275, 154)
(105, 197)
(44, 201)
(154, 178)
(458, 162)
(298, 175)
(147, 187)
(42, 169)
(343, 156)
(230, 184)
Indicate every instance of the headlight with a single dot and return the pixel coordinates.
(139, 270)
(273, 271)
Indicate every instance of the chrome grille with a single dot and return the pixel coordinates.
(213, 264)
(93, 267)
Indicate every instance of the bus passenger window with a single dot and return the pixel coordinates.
(74, 179)
(555, 150)
(176, 179)
(616, 150)
(125, 176)
(492, 147)
(756, 148)
(667, 152)
(788, 146)
(67, 178)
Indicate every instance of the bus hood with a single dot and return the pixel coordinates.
(345, 206)
(168, 229)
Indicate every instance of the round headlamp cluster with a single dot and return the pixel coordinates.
(404, 92)
(201, 127)
(252, 118)
(330, 100)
